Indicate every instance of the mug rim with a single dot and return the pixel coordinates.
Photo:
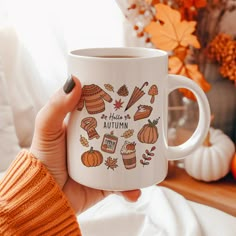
(129, 53)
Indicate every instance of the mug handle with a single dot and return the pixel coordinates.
(180, 151)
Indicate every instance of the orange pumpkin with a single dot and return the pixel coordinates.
(92, 158)
(149, 132)
(233, 166)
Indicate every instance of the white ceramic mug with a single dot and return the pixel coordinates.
(117, 137)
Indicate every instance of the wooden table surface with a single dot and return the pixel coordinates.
(219, 194)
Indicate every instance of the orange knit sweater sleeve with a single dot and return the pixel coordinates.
(32, 203)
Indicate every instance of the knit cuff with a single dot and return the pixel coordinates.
(32, 203)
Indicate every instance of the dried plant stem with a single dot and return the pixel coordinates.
(207, 142)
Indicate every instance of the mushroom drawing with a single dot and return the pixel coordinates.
(153, 91)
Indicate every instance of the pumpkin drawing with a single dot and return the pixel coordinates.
(92, 158)
(148, 133)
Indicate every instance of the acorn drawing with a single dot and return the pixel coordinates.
(123, 91)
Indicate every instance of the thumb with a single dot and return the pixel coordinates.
(51, 116)
(49, 143)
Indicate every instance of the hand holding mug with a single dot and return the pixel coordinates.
(49, 146)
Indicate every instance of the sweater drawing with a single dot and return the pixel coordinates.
(93, 99)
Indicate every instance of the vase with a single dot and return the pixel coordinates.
(222, 100)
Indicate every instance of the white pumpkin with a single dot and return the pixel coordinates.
(212, 160)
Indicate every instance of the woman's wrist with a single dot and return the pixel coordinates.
(29, 192)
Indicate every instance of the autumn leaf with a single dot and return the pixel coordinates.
(111, 163)
(109, 87)
(176, 66)
(128, 133)
(118, 104)
(169, 31)
(84, 141)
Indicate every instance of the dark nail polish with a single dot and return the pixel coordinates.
(69, 85)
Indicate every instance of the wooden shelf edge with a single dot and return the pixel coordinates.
(219, 194)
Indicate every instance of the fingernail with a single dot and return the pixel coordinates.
(69, 85)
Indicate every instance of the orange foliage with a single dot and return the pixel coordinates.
(176, 66)
(169, 31)
(233, 166)
(188, 9)
(194, 3)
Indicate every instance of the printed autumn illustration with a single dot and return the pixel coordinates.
(111, 163)
(92, 158)
(84, 142)
(89, 124)
(123, 91)
(109, 143)
(118, 104)
(109, 87)
(147, 156)
(149, 132)
(128, 133)
(128, 152)
(142, 112)
(136, 95)
(93, 98)
(153, 91)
